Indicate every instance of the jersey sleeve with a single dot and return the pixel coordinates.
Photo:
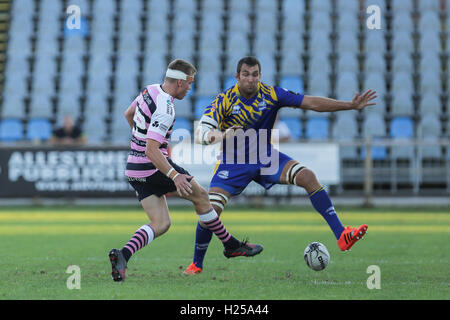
(287, 98)
(160, 123)
(216, 111)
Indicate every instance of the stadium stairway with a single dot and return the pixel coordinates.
(5, 6)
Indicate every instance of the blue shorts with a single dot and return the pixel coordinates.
(234, 178)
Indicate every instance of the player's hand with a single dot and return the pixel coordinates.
(359, 102)
(184, 188)
(230, 132)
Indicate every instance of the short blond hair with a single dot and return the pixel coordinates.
(183, 66)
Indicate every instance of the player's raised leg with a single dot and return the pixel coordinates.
(294, 173)
(158, 214)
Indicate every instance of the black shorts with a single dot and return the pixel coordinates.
(157, 184)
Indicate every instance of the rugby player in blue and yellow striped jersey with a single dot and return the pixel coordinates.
(242, 119)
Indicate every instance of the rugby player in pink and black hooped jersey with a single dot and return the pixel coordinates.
(153, 174)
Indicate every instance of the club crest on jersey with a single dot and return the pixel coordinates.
(262, 105)
(223, 174)
(236, 110)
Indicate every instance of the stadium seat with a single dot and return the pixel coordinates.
(402, 81)
(208, 83)
(39, 129)
(348, 42)
(430, 41)
(266, 21)
(229, 82)
(402, 104)
(292, 11)
(320, 20)
(291, 44)
(375, 81)
(430, 82)
(293, 83)
(375, 41)
(430, 62)
(295, 127)
(402, 20)
(429, 130)
(348, 62)
(291, 62)
(319, 42)
(95, 129)
(402, 62)
(430, 103)
(11, 130)
(378, 152)
(429, 21)
(373, 126)
(210, 42)
(347, 85)
(182, 130)
(239, 21)
(268, 67)
(319, 84)
(348, 21)
(402, 6)
(317, 128)
(345, 129)
(402, 41)
(120, 131)
(183, 108)
(402, 128)
(200, 105)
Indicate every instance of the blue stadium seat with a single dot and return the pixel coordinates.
(11, 130)
(182, 128)
(200, 105)
(293, 83)
(229, 82)
(402, 128)
(295, 127)
(378, 152)
(39, 129)
(317, 128)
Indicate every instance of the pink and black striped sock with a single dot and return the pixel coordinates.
(142, 237)
(212, 221)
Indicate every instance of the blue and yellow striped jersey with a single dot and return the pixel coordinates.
(257, 114)
(229, 108)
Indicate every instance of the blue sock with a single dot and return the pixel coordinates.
(202, 238)
(322, 203)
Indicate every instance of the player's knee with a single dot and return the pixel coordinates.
(307, 179)
(218, 201)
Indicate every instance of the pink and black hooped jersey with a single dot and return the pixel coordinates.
(153, 119)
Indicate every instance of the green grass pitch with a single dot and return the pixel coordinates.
(410, 247)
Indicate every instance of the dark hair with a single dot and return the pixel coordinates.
(184, 66)
(250, 61)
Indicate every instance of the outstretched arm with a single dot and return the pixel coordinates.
(321, 104)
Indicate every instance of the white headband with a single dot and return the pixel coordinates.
(176, 74)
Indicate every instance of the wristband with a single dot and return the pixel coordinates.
(176, 175)
(169, 172)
